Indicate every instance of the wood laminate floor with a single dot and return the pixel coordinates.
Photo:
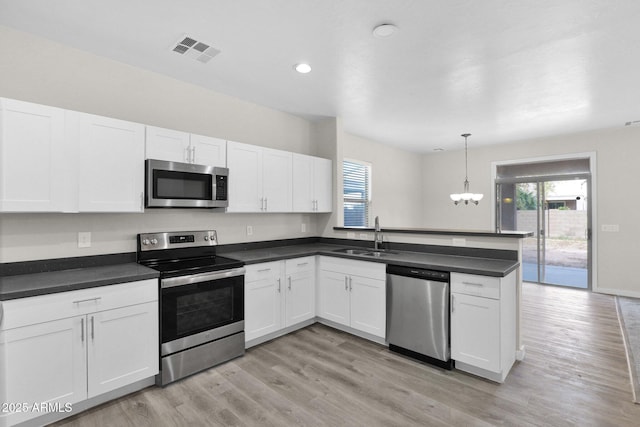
(575, 373)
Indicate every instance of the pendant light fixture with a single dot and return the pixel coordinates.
(466, 196)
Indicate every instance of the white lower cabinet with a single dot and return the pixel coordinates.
(278, 295)
(68, 347)
(353, 293)
(483, 324)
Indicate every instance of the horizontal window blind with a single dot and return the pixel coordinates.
(357, 197)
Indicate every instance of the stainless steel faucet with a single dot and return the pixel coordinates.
(377, 235)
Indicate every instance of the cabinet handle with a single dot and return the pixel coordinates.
(92, 328)
(350, 283)
(266, 206)
(193, 154)
(289, 282)
(187, 155)
(453, 300)
(346, 283)
(263, 270)
(473, 284)
(141, 201)
(279, 284)
(302, 263)
(96, 299)
(261, 203)
(82, 329)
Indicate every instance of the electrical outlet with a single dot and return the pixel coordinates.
(303, 228)
(84, 239)
(249, 230)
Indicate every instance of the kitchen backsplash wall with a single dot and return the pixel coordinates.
(27, 237)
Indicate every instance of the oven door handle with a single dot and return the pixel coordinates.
(202, 277)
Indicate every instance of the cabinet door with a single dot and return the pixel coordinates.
(45, 362)
(111, 165)
(245, 177)
(368, 305)
(333, 292)
(276, 180)
(167, 144)
(206, 150)
(262, 300)
(323, 184)
(475, 331)
(37, 172)
(122, 347)
(300, 294)
(303, 183)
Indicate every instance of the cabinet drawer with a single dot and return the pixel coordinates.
(45, 308)
(471, 284)
(372, 270)
(297, 265)
(256, 272)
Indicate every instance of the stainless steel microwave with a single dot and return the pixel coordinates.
(185, 185)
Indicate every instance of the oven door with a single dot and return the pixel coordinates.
(200, 308)
(185, 185)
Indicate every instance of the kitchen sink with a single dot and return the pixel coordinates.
(365, 252)
(353, 251)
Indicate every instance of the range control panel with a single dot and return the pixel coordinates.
(174, 240)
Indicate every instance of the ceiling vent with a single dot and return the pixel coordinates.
(188, 46)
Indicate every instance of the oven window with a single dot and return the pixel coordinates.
(190, 309)
(195, 311)
(182, 185)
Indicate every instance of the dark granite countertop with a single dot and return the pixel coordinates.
(452, 263)
(468, 233)
(28, 285)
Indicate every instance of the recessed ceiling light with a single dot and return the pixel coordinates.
(302, 68)
(384, 30)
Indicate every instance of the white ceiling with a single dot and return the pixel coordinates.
(503, 70)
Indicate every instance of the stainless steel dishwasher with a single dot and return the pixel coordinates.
(418, 314)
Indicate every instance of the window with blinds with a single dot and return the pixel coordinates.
(357, 193)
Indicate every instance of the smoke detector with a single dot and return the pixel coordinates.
(190, 47)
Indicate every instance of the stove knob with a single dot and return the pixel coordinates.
(206, 238)
(145, 242)
(154, 241)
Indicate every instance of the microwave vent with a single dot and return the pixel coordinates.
(190, 47)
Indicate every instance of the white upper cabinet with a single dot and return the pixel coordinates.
(206, 150)
(111, 165)
(175, 146)
(56, 160)
(259, 179)
(312, 182)
(37, 171)
(167, 144)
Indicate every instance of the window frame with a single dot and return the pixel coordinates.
(365, 201)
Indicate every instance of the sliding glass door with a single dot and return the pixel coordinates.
(556, 209)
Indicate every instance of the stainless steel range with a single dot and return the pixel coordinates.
(201, 301)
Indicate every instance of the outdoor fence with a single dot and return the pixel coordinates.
(561, 224)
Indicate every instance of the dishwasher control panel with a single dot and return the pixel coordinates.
(420, 273)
